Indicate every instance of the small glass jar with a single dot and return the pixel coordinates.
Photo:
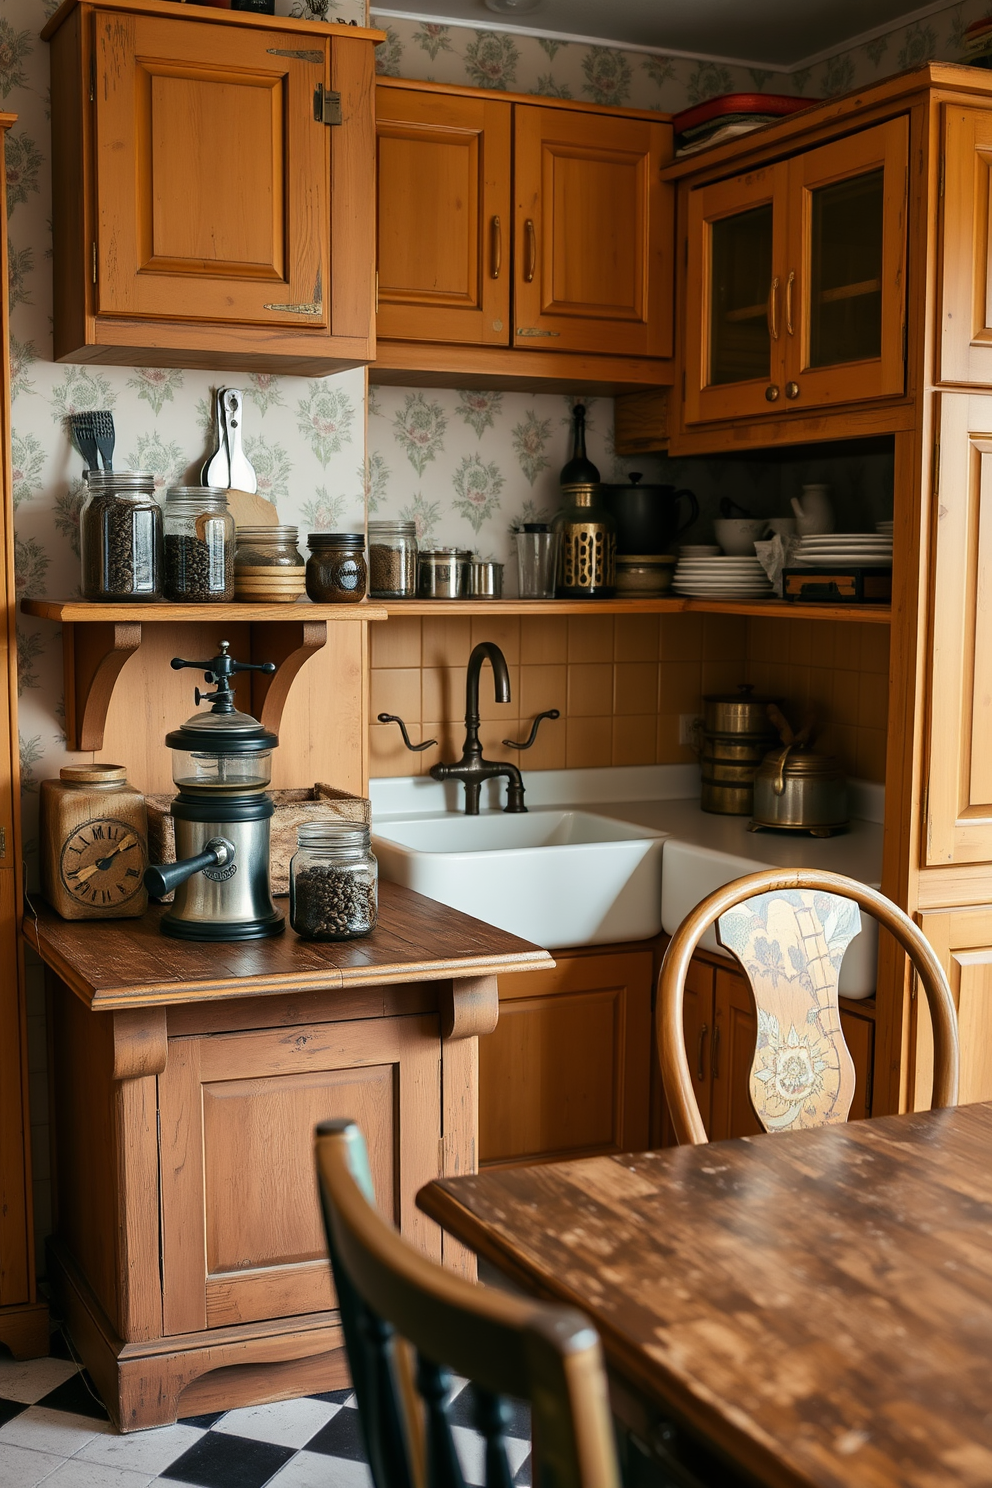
(393, 560)
(587, 555)
(336, 569)
(120, 537)
(268, 565)
(199, 545)
(333, 882)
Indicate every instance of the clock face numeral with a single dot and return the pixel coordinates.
(102, 863)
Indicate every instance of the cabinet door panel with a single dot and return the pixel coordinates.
(234, 1105)
(734, 325)
(962, 938)
(959, 765)
(845, 290)
(592, 233)
(443, 233)
(567, 1071)
(212, 175)
(965, 281)
(735, 1030)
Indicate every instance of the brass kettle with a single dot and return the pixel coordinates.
(797, 789)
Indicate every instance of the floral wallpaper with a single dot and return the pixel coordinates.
(468, 465)
(305, 436)
(436, 52)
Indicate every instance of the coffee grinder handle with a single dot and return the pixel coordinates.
(161, 878)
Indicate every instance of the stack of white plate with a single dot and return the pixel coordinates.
(721, 578)
(861, 549)
(885, 528)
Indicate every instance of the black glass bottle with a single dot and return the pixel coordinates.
(579, 470)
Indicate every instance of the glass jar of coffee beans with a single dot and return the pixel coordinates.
(393, 560)
(268, 566)
(120, 536)
(333, 882)
(336, 569)
(199, 545)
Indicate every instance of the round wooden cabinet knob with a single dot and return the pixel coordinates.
(792, 390)
(772, 392)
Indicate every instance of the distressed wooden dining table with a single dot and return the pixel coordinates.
(796, 1309)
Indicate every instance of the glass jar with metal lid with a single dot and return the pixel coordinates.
(336, 569)
(199, 545)
(392, 560)
(120, 537)
(333, 882)
(268, 565)
(442, 573)
(587, 554)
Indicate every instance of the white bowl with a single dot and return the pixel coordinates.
(738, 535)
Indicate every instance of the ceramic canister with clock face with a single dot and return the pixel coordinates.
(94, 844)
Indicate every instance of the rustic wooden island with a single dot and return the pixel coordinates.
(188, 1252)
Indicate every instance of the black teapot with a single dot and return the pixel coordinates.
(647, 517)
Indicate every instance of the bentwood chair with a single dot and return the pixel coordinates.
(395, 1303)
(789, 929)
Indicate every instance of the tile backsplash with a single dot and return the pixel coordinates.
(621, 684)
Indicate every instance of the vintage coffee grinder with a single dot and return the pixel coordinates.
(222, 764)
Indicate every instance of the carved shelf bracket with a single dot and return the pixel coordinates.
(290, 646)
(471, 1008)
(93, 656)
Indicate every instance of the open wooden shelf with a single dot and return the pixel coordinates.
(665, 605)
(79, 611)
(99, 639)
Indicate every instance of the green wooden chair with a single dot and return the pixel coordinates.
(408, 1322)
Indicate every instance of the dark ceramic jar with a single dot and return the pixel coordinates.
(336, 569)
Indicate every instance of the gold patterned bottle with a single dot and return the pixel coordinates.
(587, 551)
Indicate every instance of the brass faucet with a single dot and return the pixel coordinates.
(472, 769)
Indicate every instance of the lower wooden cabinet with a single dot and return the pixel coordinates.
(567, 1072)
(720, 1032)
(962, 938)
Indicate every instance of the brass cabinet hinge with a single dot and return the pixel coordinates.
(94, 260)
(317, 57)
(92, 80)
(535, 331)
(326, 105)
(3, 842)
(940, 179)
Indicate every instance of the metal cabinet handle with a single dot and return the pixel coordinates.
(716, 1051)
(792, 390)
(772, 310)
(700, 1067)
(530, 243)
(788, 301)
(497, 249)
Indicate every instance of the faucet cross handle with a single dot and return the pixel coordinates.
(414, 748)
(549, 713)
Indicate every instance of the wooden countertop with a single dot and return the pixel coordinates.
(131, 964)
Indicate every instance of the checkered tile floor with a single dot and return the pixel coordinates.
(54, 1430)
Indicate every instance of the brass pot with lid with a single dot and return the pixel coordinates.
(798, 790)
(737, 732)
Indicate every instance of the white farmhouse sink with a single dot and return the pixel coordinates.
(557, 878)
(693, 872)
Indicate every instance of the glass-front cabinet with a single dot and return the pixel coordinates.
(796, 281)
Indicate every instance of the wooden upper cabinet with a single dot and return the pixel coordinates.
(592, 258)
(443, 231)
(737, 247)
(959, 761)
(204, 212)
(844, 294)
(962, 939)
(796, 281)
(965, 281)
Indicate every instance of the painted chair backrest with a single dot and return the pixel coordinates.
(789, 929)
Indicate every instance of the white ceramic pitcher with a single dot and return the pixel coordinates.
(814, 513)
